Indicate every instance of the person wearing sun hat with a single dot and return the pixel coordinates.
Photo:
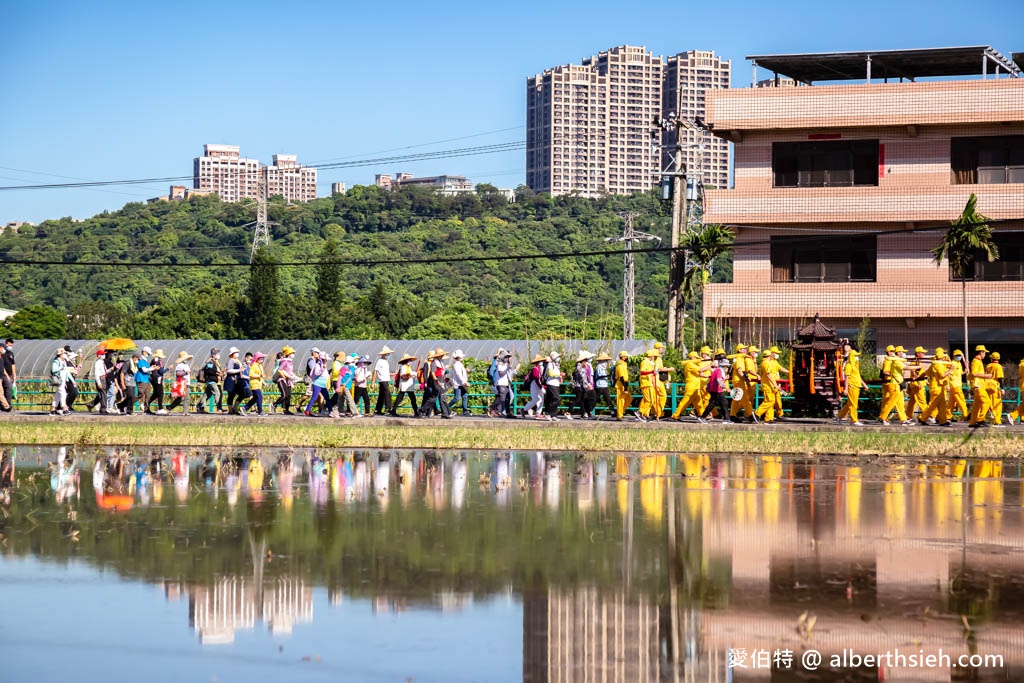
(435, 393)
(957, 401)
(256, 374)
(583, 386)
(405, 385)
(737, 378)
(182, 381)
(534, 382)
(157, 370)
(382, 378)
(854, 385)
(938, 377)
(769, 376)
(648, 371)
(995, 387)
(502, 379)
(917, 399)
(460, 382)
(979, 387)
(553, 377)
(693, 371)
(661, 380)
(285, 378)
(623, 394)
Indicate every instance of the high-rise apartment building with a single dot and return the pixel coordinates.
(566, 122)
(287, 178)
(588, 126)
(221, 169)
(634, 78)
(688, 77)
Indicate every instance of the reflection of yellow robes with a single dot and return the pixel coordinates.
(652, 486)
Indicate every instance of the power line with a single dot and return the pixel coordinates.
(422, 156)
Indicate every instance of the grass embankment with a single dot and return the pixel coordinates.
(530, 436)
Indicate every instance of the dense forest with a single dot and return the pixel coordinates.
(315, 280)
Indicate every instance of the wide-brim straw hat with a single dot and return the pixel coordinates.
(537, 359)
(437, 353)
(603, 356)
(406, 358)
(159, 353)
(387, 350)
(583, 355)
(184, 356)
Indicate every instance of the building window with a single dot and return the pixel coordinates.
(825, 164)
(824, 259)
(994, 160)
(1008, 267)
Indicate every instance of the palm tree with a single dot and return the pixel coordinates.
(965, 238)
(702, 246)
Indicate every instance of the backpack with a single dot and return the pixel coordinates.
(528, 381)
(492, 372)
(421, 376)
(210, 371)
(55, 372)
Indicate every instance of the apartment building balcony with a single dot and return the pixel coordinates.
(731, 112)
(854, 300)
(866, 204)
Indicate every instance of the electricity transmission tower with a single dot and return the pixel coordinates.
(629, 237)
(261, 236)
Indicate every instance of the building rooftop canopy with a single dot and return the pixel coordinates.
(908, 64)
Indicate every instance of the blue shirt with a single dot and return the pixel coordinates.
(142, 371)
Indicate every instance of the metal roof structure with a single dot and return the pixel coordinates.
(33, 356)
(979, 60)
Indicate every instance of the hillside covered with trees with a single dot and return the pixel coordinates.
(437, 289)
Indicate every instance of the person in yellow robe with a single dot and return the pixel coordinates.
(660, 382)
(892, 385)
(623, 394)
(939, 373)
(995, 388)
(753, 379)
(1018, 412)
(737, 377)
(769, 385)
(647, 374)
(956, 385)
(693, 371)
(854, 384)
(703, 397)
(916, 397)
(979, 388)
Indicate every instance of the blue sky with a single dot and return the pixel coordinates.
(113, 90)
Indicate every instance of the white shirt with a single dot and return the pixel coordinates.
(502, 375)
(99, 372)
(361, 376)
(184, 370)
(406, 378)
(459, 376)
(382, 370)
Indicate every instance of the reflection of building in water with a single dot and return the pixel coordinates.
(233, 603)
(589, 635)
(882, 562)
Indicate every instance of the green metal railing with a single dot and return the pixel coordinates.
(37, 394)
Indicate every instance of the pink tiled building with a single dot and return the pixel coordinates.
(841, 191)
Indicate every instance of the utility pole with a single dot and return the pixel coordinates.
(676, 180)
(629, 237)
(261, 236)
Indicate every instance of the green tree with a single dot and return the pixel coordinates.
(263, 310)
(328, 288)
(968, 237)
(36, 322)
(702, 247)
(95, 319)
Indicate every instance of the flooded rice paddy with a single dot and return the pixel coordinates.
(301, 565)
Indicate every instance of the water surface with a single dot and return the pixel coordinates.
(192, 565)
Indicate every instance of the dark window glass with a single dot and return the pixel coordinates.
(992, 160)
(824, 259)
(839, 163)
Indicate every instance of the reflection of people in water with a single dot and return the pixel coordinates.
(552, 480)
(460, 475)
(382, 479)
(180, 473)
(64, 475)
(318, 471)
(502, 478)
(6, 477)
(283, 478)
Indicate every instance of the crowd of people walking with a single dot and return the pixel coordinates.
(920, 389)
